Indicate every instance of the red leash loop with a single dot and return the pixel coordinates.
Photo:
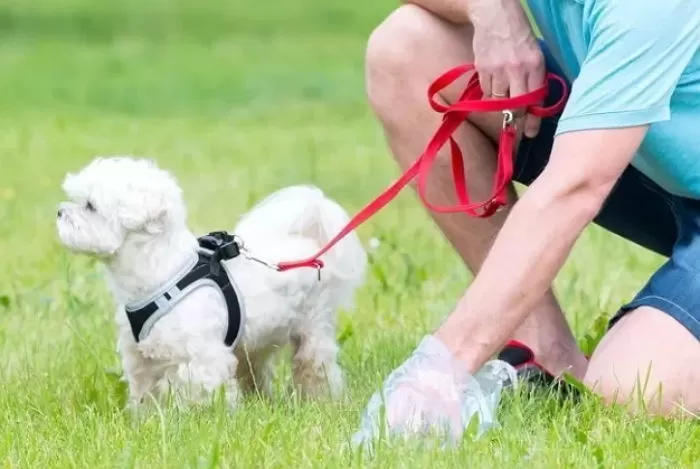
(454, 115)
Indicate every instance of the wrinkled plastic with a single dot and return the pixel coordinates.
(431, 394)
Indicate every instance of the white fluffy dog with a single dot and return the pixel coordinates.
(130, 215)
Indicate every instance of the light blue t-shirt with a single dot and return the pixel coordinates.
(633, 62)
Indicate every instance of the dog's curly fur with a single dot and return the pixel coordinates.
(130, 214)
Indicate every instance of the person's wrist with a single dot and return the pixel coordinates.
(497, 16)
(447, 371)
(464, 350)
(447, 349)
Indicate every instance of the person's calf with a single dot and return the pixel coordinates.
(547, 333)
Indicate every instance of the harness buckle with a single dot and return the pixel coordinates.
(230, 250)
(224, 245)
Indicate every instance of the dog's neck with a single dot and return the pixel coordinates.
(146, 262)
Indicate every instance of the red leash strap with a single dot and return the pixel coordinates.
(454, 115)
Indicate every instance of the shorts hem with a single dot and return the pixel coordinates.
(674, 310)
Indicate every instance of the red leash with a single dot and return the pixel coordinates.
(453, 116)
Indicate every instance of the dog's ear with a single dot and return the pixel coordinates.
(153, 210)
(157, 213)
(150, 199)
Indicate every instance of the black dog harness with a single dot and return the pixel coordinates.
(207, 270)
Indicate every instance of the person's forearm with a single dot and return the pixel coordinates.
(540, 231)
(536, 240)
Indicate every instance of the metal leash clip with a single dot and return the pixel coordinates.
(508, 118)
(249, 256)
(246, 253)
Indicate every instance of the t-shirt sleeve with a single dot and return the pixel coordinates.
(638, 52)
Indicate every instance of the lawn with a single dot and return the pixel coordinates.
(238, 99)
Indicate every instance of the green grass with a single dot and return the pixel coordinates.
(238, 99)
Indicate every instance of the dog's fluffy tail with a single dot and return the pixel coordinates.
(306, 211)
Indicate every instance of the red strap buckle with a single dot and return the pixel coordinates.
(471, 100)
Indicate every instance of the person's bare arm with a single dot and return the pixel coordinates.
(537, 238)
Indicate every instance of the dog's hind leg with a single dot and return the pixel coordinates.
(315, 366)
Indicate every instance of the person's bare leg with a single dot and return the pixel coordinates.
(648, 353)
(404, 54)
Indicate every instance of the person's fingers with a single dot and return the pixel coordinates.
(499, 86)
(485, 83)
(518, 85)
(535, 79)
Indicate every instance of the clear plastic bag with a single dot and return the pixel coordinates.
(432, 394)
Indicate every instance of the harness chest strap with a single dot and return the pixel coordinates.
(471, 100)
(206, 270)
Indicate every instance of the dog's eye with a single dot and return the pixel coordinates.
(89, 206)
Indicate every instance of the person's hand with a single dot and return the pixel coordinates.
(431, 393)
(506, 53)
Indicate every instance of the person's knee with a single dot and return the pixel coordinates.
(392, 55)
(634, 390)
(646, 363)
(603, 381)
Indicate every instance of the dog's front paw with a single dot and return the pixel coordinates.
(137, 409)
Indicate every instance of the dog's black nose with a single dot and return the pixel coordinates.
(59, 214)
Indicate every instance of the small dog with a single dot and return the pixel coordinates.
(130, 214)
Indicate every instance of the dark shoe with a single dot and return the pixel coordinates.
(530, 372)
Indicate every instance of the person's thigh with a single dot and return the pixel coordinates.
(405, 54)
